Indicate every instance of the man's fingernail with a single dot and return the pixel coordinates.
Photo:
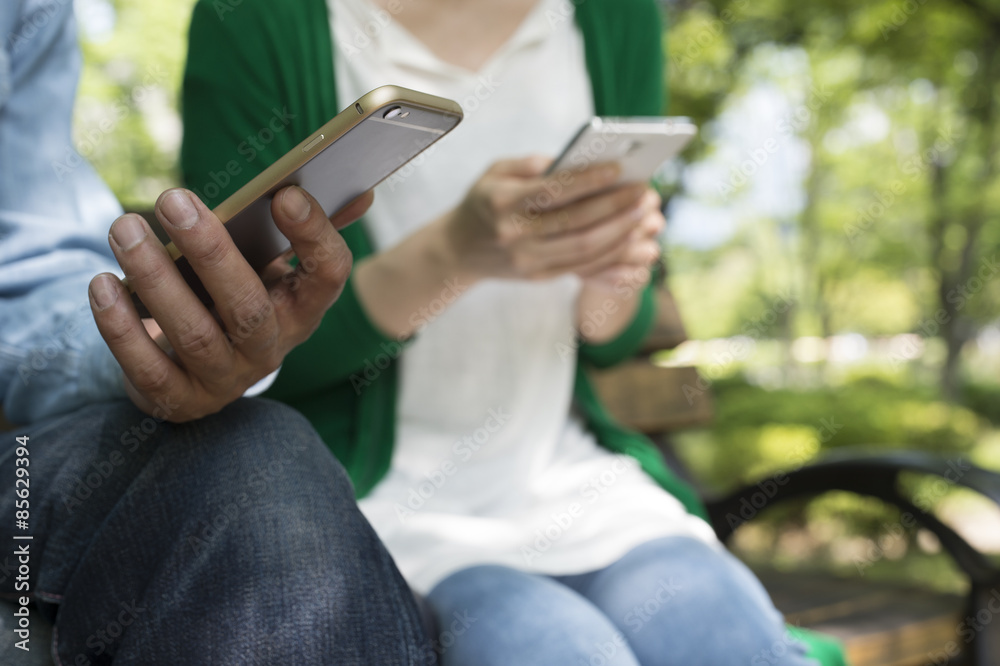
(295, 205)
(103, 292)
(178, 210)
(609, 172)
(128, 231)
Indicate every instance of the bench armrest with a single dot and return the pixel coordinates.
(876, 474)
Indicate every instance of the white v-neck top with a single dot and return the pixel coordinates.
(490, 465)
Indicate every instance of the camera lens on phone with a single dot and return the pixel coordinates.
(394, 112)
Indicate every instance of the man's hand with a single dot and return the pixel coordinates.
(213, 358)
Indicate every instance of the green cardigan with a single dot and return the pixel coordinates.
(259, 79)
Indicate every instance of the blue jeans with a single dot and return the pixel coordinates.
(234, 539)
(670, 601)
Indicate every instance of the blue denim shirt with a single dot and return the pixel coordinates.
(54, 218)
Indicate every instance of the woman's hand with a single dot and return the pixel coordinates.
(609, 297)
(513, 223)
(641, 251)
(213, 358)
(517, 223)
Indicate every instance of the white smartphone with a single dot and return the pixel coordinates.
(639, 144)
(352, 153)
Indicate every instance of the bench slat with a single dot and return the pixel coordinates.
(668, 330)
(653, 399)
(881, 624)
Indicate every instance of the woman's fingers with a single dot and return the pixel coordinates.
(564, 187)
(610, 256)
(521, 200)
(634, 225)
(194, 335)
(582, 213)
(539, 254)
(305, 294)
(532, 166)
(642, 253)
(646, 235)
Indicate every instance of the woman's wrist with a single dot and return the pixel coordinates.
(444, 251)
(604, 311)
(404, 287)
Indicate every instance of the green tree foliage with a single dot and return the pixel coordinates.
(897, 233)
(757, 434)
(126, 118)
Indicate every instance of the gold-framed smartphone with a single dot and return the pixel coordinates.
(353, 152)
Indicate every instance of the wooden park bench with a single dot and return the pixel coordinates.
(879, 624)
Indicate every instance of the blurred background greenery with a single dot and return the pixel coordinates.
(134, 55)
(833, 250)
(832, 243)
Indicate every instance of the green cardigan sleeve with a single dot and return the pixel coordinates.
(258, 81)
(638, 89)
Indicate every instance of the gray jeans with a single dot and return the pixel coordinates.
(235, 539)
